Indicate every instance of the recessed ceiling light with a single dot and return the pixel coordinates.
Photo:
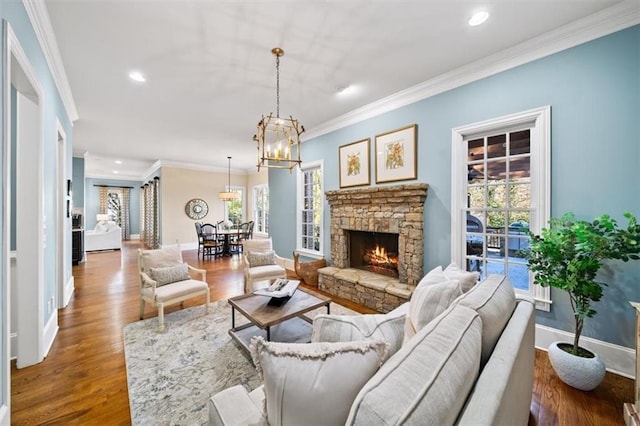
(118, 162)
(116, 172)
(478, 18)
(348, 89)
(137, 76)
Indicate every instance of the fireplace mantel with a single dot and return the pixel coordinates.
(391, 208)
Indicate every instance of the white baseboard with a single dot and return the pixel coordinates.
(618, 359)
(50, 332)
(68, 291)
(183, 246)
(5, 415)
(134, 236)
(13, 345)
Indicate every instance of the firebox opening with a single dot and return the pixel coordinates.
(374, 251)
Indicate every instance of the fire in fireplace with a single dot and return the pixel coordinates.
(374, 251)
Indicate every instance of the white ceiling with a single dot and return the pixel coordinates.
(210, 71)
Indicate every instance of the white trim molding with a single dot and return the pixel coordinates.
(615, 18)
(39, 18)
(539, 119)
(618, 359)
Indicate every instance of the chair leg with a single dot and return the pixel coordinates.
(141, 309)
(161, 316)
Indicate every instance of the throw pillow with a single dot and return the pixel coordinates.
(494, 299)
(308, 382)
(169, 274)
(427, 381)
(434, 276)
(348, 328)
(261, 258)
(427, 302)
(467, 279)
(100, 227)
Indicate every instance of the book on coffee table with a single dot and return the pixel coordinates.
(281, 287)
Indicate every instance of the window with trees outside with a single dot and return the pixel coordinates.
(309, 217)
(234, 209)
(261, 209)
(500, 193)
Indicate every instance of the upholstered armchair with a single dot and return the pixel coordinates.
(165, 279)
(260, 262)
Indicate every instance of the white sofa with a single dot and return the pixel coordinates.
(106, 235)
(470, 365)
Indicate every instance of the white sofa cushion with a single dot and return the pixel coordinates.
(467, 279)
(306, 383)
(432, 296)
(159, 258)
(349, 328)
(175, 290)
(427, 381)
(266, 272)
(494, 299)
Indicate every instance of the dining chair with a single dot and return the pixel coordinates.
(212, 246)
(200, 239)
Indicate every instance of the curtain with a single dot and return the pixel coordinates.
(104, 196)
(150, 223)
(125, 220)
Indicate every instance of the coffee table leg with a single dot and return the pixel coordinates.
(328, 308)
(268, 334)
(233, 317)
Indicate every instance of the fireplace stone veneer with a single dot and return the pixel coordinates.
(392, 209)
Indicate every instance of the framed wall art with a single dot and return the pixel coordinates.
(354, 163)
(396, 156)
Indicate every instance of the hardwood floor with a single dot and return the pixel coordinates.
(83, 379)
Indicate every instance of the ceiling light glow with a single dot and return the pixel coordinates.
(118, 162)
(478, 18)
(345, 90)
(137, 76)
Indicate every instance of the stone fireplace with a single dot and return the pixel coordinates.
(374, 251)
(376, 212)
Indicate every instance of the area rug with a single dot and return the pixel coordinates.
(171, 375)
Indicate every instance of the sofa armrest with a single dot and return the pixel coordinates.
(234, 406)
(281, 261)
(146, 281)
(202, 272)
(502, 394)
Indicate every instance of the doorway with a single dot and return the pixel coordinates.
(24, 118)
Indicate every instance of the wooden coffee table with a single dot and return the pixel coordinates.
(284, 323)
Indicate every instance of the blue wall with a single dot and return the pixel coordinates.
(78, 182)
(15, 14)
(594, 93)
(92, 201)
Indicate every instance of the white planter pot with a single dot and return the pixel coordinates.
(578, 372)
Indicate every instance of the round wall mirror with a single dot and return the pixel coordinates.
(196, 208)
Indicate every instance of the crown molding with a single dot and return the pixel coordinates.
(615, 18)
(190, 166)
(119, 176)
(77, 153)
(39, 18)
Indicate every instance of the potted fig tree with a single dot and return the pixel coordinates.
(568, 255)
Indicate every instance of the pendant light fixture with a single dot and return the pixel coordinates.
(278, 138)
(229, 195)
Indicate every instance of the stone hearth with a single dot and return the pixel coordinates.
(391, 209)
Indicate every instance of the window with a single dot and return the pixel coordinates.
(500, 186)
(261, 209)
(310, 216)
(234, 210)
